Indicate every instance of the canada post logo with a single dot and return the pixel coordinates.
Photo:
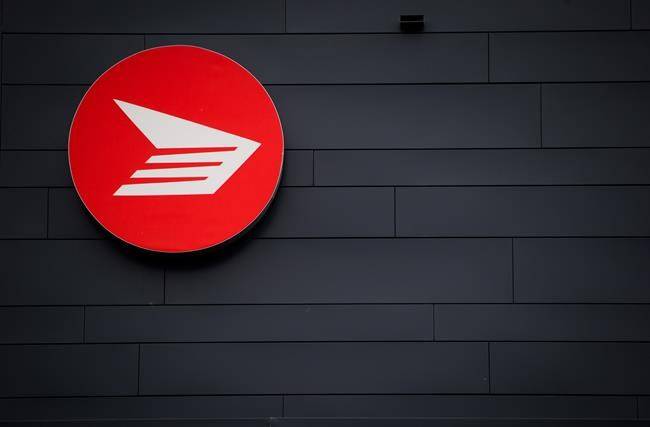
(168, 132)
(176, 149)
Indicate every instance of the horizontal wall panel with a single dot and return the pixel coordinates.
(582, 270)
(71, 59)
(330, 212)
(260, 323)
(259, 422)
(570, 368)
(342, 422)
(461, 406)
(297, 169)
(406, 116)
(644, 407)
(368, 58)
(545, 322)
(573, 56)
(457, 422)
(596, 115)
(348, 271)
(23, 213)
(69, 218)
(140, 408)
(34, 169)
(51, 107)
(453, 15)
(309, 422)
(483, 167)
(27, 325)
(68, 370)
(159, 16)
(313, 368)
(66, 272)
(523, 211)
(640, 14)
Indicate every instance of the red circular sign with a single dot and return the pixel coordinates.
(176, 149)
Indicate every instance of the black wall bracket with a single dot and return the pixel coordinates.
(411, 23)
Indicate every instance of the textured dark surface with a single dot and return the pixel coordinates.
(345, 58)
(151, 16)
(66, 272)
(161, 407)
(542, 322)
(27, 325)
(482, 167)
(570, 56)
(24, 213)
(348, 271)
(409, 116)
(461, 406)
(49, 58)
(52, 107)
(68, 370)
(386, 322)
(461, 237)
(569, 368)
(523, 211)
(34, 168)
(596, 115)
(311, 368)
(457, 15)
(582, 270)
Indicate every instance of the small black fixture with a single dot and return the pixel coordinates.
(411, 23)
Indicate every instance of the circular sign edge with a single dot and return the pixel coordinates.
(222, 242)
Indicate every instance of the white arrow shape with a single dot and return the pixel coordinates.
(165, 131)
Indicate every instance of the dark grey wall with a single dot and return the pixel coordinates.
(461, 237)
